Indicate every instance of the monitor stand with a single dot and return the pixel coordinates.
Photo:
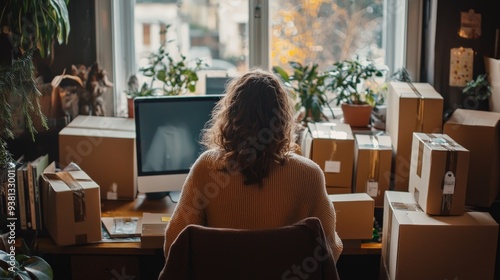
(174, 196)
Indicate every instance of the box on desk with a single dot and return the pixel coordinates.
(104, 147)
(412, 107)
(71, 206)
(479, 132)
(355, 214)
(417, 246)
(331, 146)
(372, 166)
(438, 174)
(153, 229)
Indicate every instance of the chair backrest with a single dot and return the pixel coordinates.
(298, 251)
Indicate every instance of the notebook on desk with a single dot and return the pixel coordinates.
(153, 229)
(120, 227)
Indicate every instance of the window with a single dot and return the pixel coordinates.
(235, 35)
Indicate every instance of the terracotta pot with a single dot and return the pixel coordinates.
(130, 107)
(357, 115)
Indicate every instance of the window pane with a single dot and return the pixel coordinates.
(212, 30)
(325, 31)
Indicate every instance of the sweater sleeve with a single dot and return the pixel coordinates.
(190, 208)
(325, 211)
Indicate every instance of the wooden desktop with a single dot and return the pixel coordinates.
(108, 260)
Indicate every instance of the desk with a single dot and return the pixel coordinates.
(108, 260)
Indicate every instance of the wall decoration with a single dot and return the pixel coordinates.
(470, 25)
(461, 66)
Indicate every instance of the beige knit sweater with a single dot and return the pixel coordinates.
(290, 193)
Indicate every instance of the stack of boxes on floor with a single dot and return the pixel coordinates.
(432, 180)
(427, 232)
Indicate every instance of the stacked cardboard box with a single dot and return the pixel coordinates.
(331, 146)
(438, 174)
(418, 246)
(372, 166)
(355, 212)
(104, 147)
(479, 132)
(412, 107)
(71, 206)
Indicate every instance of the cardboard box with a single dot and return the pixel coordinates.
(71, 205)
(104, 147)
(372, 166)
(153, 229)
(493, 69)
(334, 190)
(331, 146)
(438, 174)
(418, 246)
(415, 107)
(355, 214)
(478, 132)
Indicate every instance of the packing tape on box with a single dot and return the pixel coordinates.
(79, 208)
(420, 109)
(448, 183)
(372, 183)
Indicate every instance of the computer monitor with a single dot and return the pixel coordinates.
(168, 134)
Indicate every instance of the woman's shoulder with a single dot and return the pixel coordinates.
(302, 162)
(209, 157)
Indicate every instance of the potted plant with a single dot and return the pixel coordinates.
(24, 267)
(26, 27)
(309, 88)
(476, 93)
(355, 88)
(165, 75)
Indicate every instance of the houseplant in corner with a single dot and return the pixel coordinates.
(352, 82)
(308, 85)
(476, 93)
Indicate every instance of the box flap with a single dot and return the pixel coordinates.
(439, 142)
(381, 142)
(425, 90)
(107, 123)
(468, 219)
(339, 131)
(89, 132)
(474, 118)
(350, 197)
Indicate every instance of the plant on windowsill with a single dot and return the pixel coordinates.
(165, 75)
(355, 87)
(477, 92)
(308, 85)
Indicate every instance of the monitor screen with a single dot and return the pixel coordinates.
(168, 134)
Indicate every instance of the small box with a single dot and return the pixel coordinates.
(418, 246)
(438, 174)
(355, 214)
(372, 166)
(104, 147)
(153, 229)
(334, 190)
(492, 66)
(331, 146)
(71, 205)
(411, 107)
(479, 132)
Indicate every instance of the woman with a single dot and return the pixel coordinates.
(250, 177)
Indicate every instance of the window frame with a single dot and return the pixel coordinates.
(115, 40)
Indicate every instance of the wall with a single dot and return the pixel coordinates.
(441, 34)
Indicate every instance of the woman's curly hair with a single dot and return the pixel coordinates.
(253, 124)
